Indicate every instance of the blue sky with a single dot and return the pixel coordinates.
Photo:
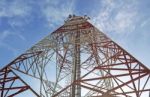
(25, 22)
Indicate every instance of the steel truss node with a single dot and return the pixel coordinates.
(76, 60)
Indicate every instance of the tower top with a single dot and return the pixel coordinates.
(76, 19)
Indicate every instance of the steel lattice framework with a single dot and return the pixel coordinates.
(76, 60)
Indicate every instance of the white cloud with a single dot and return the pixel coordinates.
(56, 11)
(17, 12)
(117, 16)
(13, 8)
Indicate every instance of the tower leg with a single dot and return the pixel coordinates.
(76, 89)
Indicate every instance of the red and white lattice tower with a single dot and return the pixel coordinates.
(76, 60)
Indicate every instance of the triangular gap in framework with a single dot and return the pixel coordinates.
(11, 84)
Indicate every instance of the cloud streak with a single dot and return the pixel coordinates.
(7, 34)
(117, 16)
(145, 22)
